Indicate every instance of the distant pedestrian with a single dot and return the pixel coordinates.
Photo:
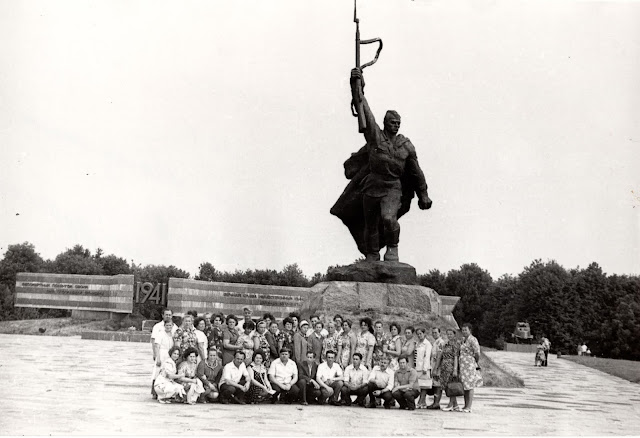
(546, 346)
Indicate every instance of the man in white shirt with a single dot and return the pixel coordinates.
(156, 332)
(356, 379)
(283, 374)
(235, 380)
(380, 384)
(329, 377)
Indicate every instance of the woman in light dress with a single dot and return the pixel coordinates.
(436, 352)
(330, 342)
(166, 385)
(346, 344)
(164, 342)
(423, 363)
(192, 385)
(469, 369)
(366, 341)
(203, 342)
(393, 347)
(245, 339)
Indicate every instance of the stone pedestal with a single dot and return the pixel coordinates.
(375, 272)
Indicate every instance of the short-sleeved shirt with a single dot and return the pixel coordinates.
(283, 373)
(382, 379)
(232, 373)
(356, 377)
(157, 330)
(325, 373)
(363, 343)
(407, 377)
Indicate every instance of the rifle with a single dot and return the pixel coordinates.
(357, 108)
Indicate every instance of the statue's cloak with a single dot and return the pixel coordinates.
(349, 207)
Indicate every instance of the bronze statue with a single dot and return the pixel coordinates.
(384, 176)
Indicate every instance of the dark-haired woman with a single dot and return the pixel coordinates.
(285, 337)
(230, 340)
(192, 385)
(346, 344)
(166, 385)
(469, 369)
(260, 389)
(365, 341)
(392, 348)
(215, 334)
(447, 367)
(203, 342)
(185, 337)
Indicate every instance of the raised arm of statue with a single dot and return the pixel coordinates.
(372, 129)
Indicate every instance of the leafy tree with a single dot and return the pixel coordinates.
(435, 280)
(207, 272)
(77, 260)
(470, 283)
(113, 265)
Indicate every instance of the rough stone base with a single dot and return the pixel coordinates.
(375, 272)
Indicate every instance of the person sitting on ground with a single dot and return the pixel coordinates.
(307, 382)
(260, 388)
(246, 340)
(235, 380)
(166, 385)
(192, 385)
(423, 364)
(330, 378)
(300, 345)
(203, 342)
(209, 372)
(316, 341)
(283, 374)
(355, 381)
(406, 387)
(380, 383)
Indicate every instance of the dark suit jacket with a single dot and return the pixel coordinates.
(303, 371)
(273, 345)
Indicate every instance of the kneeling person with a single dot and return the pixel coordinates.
(406, 387)
(380, 384)
(330, 379)
(307, 379)
(283, 374)
(355, 381)
(235, 380)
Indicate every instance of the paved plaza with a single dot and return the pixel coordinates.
(68, 386)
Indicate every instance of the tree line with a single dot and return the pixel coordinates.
(568, 306)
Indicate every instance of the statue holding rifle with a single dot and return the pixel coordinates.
(384, 175)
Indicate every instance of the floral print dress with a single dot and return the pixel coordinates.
(470, 377)
(450, 351)
(330, 343)
(187, 338)
(382, 339)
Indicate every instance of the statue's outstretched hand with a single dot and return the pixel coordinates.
(425, 204)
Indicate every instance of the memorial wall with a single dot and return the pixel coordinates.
(97, 293)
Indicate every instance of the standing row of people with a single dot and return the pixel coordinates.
(242, 360)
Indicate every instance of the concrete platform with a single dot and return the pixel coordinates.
(69, 386)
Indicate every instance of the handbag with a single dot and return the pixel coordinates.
(425, 383)
(454, 389)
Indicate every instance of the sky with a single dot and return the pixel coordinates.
(216, 131)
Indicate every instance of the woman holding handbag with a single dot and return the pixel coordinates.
(447, 369)
(469, 369)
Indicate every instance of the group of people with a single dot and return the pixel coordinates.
(241, 360)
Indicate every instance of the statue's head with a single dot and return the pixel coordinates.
(392, 121)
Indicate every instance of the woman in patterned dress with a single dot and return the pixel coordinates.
(260, 386)
(186, 337)
(392, 348)
(447, 367)
(214, 335)
(165, 384)
(346, 344)
(469, 369)
(381, 341)
(260, 343)
(436, 352)
(409, 345)
(192, 385)
(365, 342)
(330, 342)
(285, 337)
(230, 340)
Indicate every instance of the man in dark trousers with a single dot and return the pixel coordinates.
(307, 372)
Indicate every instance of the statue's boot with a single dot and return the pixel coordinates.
(372, 257)
(392, 254)
(372, 240)
(392, 237)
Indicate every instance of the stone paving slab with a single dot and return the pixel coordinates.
(69, 386)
